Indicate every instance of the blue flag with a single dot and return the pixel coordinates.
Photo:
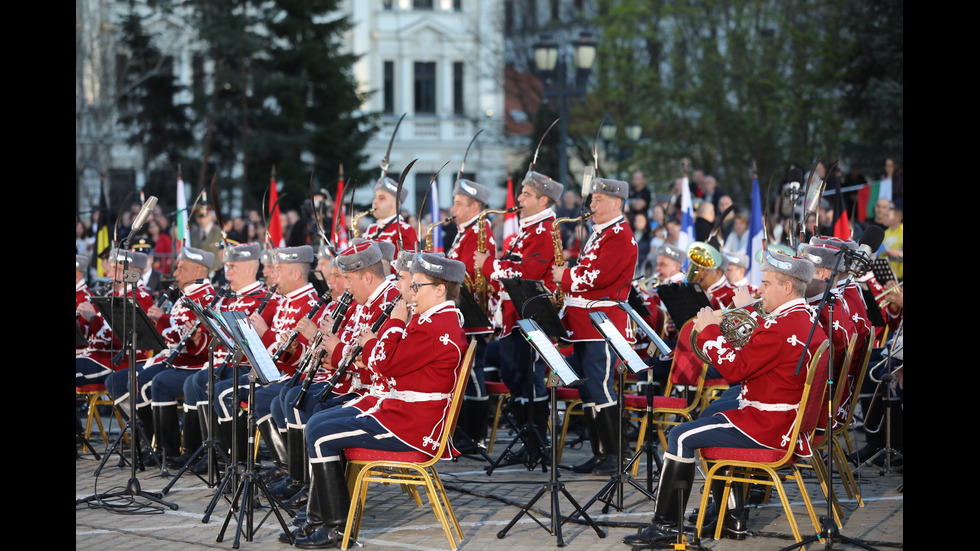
(755, 235)
(435, 217)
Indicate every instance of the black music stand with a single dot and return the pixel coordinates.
(210, 321)
(476, 324)
(682, 301)
(319, 282)
(248, 343)
(628, 359)
(649, 446)
(562, 374)
(532, 300)
(128, 320)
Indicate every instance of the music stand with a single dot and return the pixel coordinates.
(532, 301)
(319, 282)
(682, 301)
(628, 359)
(210, 321)
(475, 325)
(128, 320)
(648, 443)
(562, 374)
(248, 343)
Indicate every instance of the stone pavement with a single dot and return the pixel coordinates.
(484, 504)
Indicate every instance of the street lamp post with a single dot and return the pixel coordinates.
(633, 132)
(552, 69)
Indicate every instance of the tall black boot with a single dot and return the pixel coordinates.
(296, 465)
(167, 427)
(612, 439)
(144, 416)
(273, 440)
(471, 429)
(674, 475)
(540, 412)
(736, 515)
(191, 433)
(329, 511)
(599, 453)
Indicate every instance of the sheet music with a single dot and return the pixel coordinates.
(615, 338)
(257, 354)
(543, 344)
(646, 329)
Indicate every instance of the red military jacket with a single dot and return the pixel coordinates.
(247, 299)
(322, 373)
(82, 295)
(421, 363)
(721, 293)
(603, 274)
(530, 256)
(765, 366)
(291, 308)
(388, 230)
(462, 249)
(102, 344)
(172, 327)
(365, 382)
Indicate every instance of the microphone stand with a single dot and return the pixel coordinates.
(829, 531)
(132, 489)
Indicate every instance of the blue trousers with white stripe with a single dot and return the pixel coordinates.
(595, 362)
(330, 431)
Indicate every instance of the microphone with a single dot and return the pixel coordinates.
(859, 261)
(144, 214)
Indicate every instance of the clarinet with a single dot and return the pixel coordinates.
(313, 355)
(293, 333)
(219, 373)
(355, 351)
(169, 362)
(169, 293)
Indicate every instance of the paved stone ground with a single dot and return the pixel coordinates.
(484, 503)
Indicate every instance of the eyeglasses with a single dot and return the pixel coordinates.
(416, 286)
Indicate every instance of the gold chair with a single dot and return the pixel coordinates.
(761, 466)
(410, 469)
(95, 395)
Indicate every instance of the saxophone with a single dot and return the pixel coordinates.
(431, 228)
(556, 240)
(478, 286)
(353, 225)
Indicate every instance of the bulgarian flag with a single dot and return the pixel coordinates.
(275, 222)
(869, 195)
(511, 226)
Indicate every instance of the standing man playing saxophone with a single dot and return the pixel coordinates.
(601, 277)
(530, 256)
(469, 200)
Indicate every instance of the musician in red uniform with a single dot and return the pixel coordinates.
(95, 363)
(389, 225)
(297, 300)
(241, 265)
(421, 360)
(601, 277)
(530, 256)
(765, 411)
(736, 270)
(82, 293)
(161, 383)
(469, 200)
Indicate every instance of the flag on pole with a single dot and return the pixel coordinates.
(511, 227)
(869, 195)
(275, 221)
(102, 232)
(435, 217)
(183, 235)
(755, 235)
(340, 220)
(842, 226)
(687, 210)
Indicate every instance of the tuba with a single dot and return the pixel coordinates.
(479, 286)
(560, 251)
(702, 257)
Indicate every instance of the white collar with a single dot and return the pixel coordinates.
(546, 213)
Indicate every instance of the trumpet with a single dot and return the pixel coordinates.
(882, 299)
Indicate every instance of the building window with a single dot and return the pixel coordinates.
(198, 76)
(422, 4)
(457, 5)
(425, 87)
(387, 4)
(509, 16)
(389, 87)
(555, 15)
(458, 105)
